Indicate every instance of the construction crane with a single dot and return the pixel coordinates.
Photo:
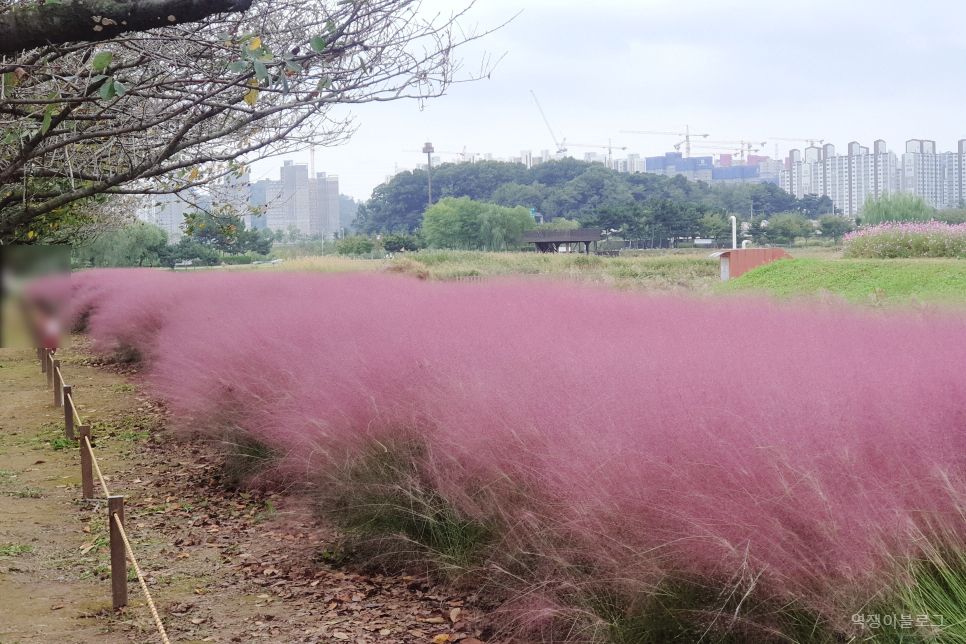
(745, 145)
(740, 151)
(686, 134)
(607, 147)
(561, 145)
(809, 141)
(463, 155)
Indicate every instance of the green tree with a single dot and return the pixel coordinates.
(769, 199)
(629, 220)
(901, 206)
(478, 181)
(512, 195)
(472, 225)
(189, 250)
(134, 244)
(395, 242)
(395, 206)
(355, 245)
(785, 227)
(559, 224)
(714, 226)
(834, 226)
(813, 206)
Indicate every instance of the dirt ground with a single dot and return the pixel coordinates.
(222, 566)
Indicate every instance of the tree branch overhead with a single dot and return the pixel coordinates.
(32, 26)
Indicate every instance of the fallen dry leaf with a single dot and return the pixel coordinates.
(441, 638)
(454, 615)
(56, 607)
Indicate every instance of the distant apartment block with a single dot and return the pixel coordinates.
(861, 174)
(310, 204)
(167, 211)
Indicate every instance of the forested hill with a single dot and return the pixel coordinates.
(568, 188)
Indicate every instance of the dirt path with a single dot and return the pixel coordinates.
(222, 566)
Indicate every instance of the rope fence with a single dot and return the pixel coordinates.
(120, 545)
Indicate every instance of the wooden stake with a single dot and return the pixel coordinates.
(115, 506)
(50, 368)
(58, 384)
(68, 413)
(87, 468)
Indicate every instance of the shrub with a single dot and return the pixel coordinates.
(603, 454)
(901, 206)
(354, 245)
(907, 239)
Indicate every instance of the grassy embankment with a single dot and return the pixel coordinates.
(859, 281)
(816, 273)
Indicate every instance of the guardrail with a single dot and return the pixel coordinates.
(120, 545)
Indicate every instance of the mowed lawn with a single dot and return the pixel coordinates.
(859, 281)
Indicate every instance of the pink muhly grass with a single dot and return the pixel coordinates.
(638, 435)
(907, 239)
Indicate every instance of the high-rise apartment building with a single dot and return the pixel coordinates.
(848, 180)
(167, 211)
(956, 177)
(923, 173)
(310, 204)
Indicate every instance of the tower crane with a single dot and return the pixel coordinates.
(463, 155)
(741, 151)
(607, 147)
(809, 141)
(745, 146)
(686, 134)
(561, 145)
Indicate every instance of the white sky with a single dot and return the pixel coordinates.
(838, 70)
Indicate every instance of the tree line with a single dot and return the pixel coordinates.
(644, 206)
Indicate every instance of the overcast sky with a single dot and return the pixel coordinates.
(838, 70)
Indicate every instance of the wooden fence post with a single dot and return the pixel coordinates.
(40, 356)
(68, 413)
(58, 385)
(115, 506)
(87, 469)
(50, 368)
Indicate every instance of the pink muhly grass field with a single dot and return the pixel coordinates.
(645, 435)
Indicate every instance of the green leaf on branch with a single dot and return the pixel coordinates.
(293, 67)
(107, 91)
(261, 72)
(120, 88)
(101, 60)
(317, 43)
(238, 66)
(49, 113)
(224, 36)
(324, 83)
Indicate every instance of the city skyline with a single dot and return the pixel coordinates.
(737, 70)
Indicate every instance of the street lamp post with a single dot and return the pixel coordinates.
(428, 150)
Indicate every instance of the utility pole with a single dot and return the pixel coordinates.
(428, 150)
